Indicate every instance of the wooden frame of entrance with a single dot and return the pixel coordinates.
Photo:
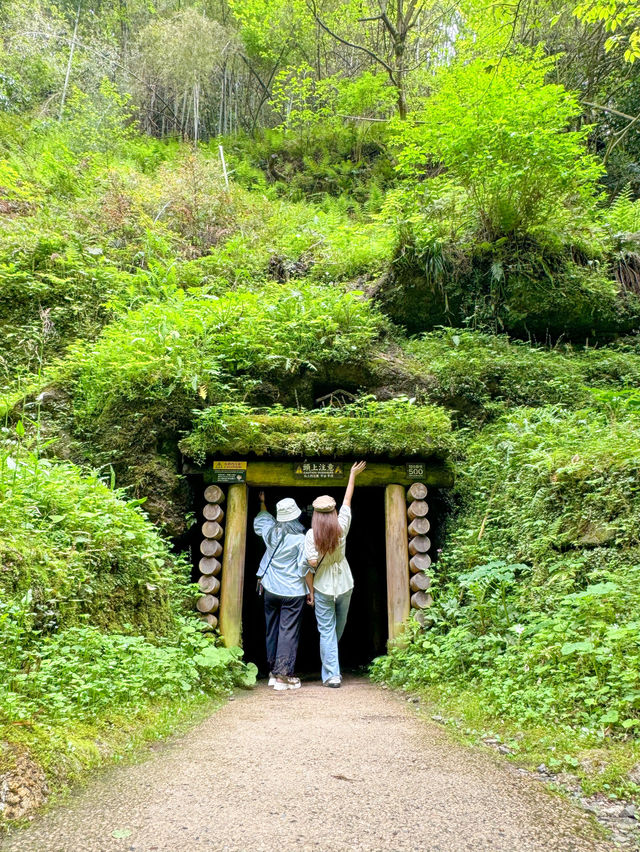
(263, 474)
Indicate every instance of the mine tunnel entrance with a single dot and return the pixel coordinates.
(389, 547)
(366, 633)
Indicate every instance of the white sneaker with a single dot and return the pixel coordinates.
(272, 679)
(333, 682)
(285, 682)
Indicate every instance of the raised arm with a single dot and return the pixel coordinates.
(263, 505)
(356, 470)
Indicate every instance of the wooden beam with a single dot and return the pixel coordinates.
(263, 474)
(395, 507)
(235, 543)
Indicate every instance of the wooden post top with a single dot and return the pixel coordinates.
(319, 473)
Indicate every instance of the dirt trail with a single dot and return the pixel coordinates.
(316, 769)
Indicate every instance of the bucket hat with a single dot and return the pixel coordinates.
(287, 510)
(324, 503)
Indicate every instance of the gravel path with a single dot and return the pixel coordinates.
(316, 769)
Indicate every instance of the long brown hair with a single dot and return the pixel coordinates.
(326, 531)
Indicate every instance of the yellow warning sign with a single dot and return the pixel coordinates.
(229, 471)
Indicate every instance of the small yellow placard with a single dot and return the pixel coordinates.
(229, 465)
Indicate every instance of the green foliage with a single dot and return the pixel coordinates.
(81, 673)
(537, 592)
(620, 19)
(91, 612)
(208, 347)
(366, 428)
(623, 214)
(479, 375)
(73, 549)
(500, 133)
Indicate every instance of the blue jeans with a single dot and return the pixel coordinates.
(331, 615)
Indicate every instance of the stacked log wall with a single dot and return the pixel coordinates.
(419, 547)
(210, 564)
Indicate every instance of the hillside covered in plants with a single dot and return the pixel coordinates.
(277, 227)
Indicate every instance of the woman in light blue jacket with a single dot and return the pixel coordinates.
(281, 575)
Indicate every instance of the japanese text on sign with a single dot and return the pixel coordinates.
(319, 470)
(229, 471)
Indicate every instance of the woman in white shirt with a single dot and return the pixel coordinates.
(325, 546)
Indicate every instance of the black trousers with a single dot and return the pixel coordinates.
(284, 618)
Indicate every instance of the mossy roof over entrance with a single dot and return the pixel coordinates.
(370, 429)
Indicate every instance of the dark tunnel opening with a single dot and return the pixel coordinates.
(365, 635)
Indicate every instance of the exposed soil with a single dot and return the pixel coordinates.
(315, 769)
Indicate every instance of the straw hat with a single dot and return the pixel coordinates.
(324, 504)
(287, 510)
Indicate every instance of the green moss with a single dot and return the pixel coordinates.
(383, 429)
(527, 289)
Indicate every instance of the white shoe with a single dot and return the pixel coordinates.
(284, 682)
(272, 679)
(334, 681)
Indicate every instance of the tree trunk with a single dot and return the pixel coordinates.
(67, 75)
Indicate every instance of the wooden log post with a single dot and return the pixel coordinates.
(209, 565)
(419, 544)
(419, 582)
(208, 603)
(419, 526)
(421, 600)
(397, 558)
(235, 544)
(213, 512)
(417, 491)
(214, 494)
(210, 548)
(418, 509)
(419, 562)
(209, 585)
(210, 619)
(212, 529)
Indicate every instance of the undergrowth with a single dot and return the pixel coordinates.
(536, 593)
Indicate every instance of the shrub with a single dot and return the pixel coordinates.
(537, 589)
(500, 133)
